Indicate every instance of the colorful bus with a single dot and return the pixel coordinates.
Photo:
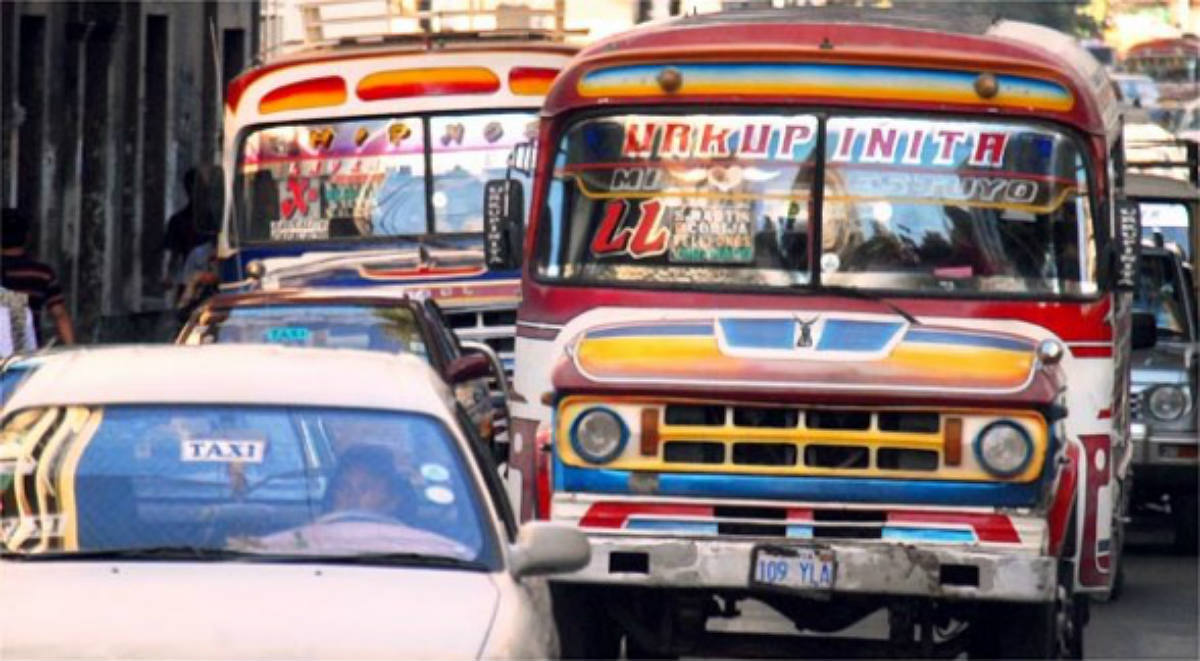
(834, 315)
(361, 164)
(1174, 64)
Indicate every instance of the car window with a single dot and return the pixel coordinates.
(390, 328)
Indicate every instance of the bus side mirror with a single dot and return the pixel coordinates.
(1127, 246)
(1144, 331)
(503, 223)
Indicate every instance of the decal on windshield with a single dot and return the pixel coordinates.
(287, 334)
(711, 235)
(439, 495)
(222, 451)
(435, 472)
(775, 139)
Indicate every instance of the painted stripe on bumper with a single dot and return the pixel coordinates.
(823, 489)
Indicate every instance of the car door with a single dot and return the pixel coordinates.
(474, 395)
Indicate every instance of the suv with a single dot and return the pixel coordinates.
(1164, 387)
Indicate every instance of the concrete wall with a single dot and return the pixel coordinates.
(105, 105)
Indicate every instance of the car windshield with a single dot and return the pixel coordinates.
(372, 177)
(1161, 294)
(1168, 219)
(10, 378)
(256, 480)
(908, 205)
(377, 328)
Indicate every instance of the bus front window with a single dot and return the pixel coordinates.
(907, 205)
(955, 206)
(697, 200)
(366, 177)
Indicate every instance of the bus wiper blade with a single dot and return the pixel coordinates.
(851, 292)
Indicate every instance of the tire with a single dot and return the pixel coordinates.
(1032, 631)
(1183, 511)
(1013, 631)
(585, 631)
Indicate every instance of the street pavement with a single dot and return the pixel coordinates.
(1155, 618)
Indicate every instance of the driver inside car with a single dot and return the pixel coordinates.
(365, 482)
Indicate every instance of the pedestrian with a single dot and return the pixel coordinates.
(22, 273)
(16, 325)
(186, 229)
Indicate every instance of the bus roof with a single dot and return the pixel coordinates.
(885, 40)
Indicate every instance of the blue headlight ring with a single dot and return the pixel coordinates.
(978, 447)
(588, 457)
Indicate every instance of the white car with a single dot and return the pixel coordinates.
(258, 502)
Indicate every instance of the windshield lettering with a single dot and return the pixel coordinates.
(715, 139)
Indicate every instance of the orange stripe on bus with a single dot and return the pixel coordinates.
(531, 81)
(403, 83)
(311, 93)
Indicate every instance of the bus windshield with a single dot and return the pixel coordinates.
(372, 177)
(784, 200)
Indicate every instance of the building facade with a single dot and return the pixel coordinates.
(104, 106)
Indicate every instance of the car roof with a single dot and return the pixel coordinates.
(392, 295)
(1152, 185)
(245, 374)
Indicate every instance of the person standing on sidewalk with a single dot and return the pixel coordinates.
(22, 273)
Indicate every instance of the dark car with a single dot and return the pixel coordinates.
(387, 319)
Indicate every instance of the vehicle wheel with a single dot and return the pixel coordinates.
(1031, 631)
(635, 651)
(585, 631)
(1183, 510)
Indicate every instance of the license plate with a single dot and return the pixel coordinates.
(801, 568)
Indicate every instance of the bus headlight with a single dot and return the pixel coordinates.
(1168, 402)
(598, 435)
(1003, 448)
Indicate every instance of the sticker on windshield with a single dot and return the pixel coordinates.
(439, 495)
(222, 451)
(435, 472)
(711, 235)
(284, 334)
(830, 262)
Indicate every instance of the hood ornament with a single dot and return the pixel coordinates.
(804, 338)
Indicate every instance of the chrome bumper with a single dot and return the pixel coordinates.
(861, 567)
(1152, 447)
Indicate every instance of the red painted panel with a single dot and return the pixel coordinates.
(614, 515)
(1091, 572)
(996, 528)
(1060, 508)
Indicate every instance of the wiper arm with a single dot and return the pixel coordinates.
(419, 559)
(178, 552)
(852, 292)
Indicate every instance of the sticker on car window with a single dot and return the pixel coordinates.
(439, 495)
(222, 451)
(287, 334)
(435, 472)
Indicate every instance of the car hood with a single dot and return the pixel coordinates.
(819, 356)
(1163, 363)
(220, 610)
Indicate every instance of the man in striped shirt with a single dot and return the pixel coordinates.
(21, 273)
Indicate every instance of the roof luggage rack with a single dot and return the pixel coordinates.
(335, 24)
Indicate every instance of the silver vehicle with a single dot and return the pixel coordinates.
(1164, 386)
(234, 501)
